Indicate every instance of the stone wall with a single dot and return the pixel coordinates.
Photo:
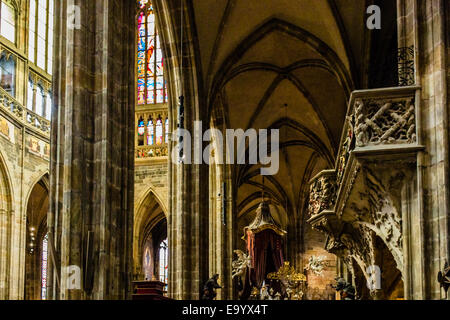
(150, 205)
(151, 176)
(23, 165)
(318, 286)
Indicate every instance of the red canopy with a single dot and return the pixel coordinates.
(264, 245)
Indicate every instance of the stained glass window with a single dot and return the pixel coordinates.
(164, 262)
(151, 87)
(142, 3)
(8, 21)
(167, 130)
(8, 72)
(40, 40)
(140, 131)
(44, 267)
(141, 127)
(151, 132)
(159, 131)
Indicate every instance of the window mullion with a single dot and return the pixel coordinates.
(44, 105)
(34, 97)
(0, 15)
(36, 36)
(46, 36)
(155, 62)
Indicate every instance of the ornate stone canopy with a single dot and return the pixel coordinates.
(263, 220)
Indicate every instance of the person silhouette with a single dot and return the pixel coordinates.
(209, 289)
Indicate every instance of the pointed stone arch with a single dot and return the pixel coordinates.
(36, 209)
(150, 211)
(6, 228)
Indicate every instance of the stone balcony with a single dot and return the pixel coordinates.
(16, 113)
(376, 160)
(380, 131)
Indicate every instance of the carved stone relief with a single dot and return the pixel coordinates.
(385, 121)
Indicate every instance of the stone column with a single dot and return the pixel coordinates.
(188, 184)
(433, 66)
(222, 228)
(423, 23)
(92, 150)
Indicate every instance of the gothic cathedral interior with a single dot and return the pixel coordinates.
(224, 149)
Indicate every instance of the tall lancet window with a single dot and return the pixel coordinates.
(40, 39)
(150, 132)
(151, 87)
(8, 20)
(159, 131)
(44, 267)
(164, 262)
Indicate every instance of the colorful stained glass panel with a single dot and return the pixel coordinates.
(160, 96)
(159, 132)
(159, 68)
(142, 3)
(141, 91)
(141, 127)
(151, 133)
(150, 64)
(159, 82)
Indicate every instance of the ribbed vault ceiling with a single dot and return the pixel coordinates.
(286, 64)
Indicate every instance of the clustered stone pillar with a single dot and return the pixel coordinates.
(433, 63)
(422, 25)
(92, 156)
(187, 222)
(222, 227)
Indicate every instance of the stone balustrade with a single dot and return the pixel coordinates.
(14, 109)
(38, 122)
(153, 151)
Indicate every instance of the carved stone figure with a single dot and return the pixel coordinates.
(316, 264)
(240, 264)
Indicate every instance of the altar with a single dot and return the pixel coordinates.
(149, 290)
